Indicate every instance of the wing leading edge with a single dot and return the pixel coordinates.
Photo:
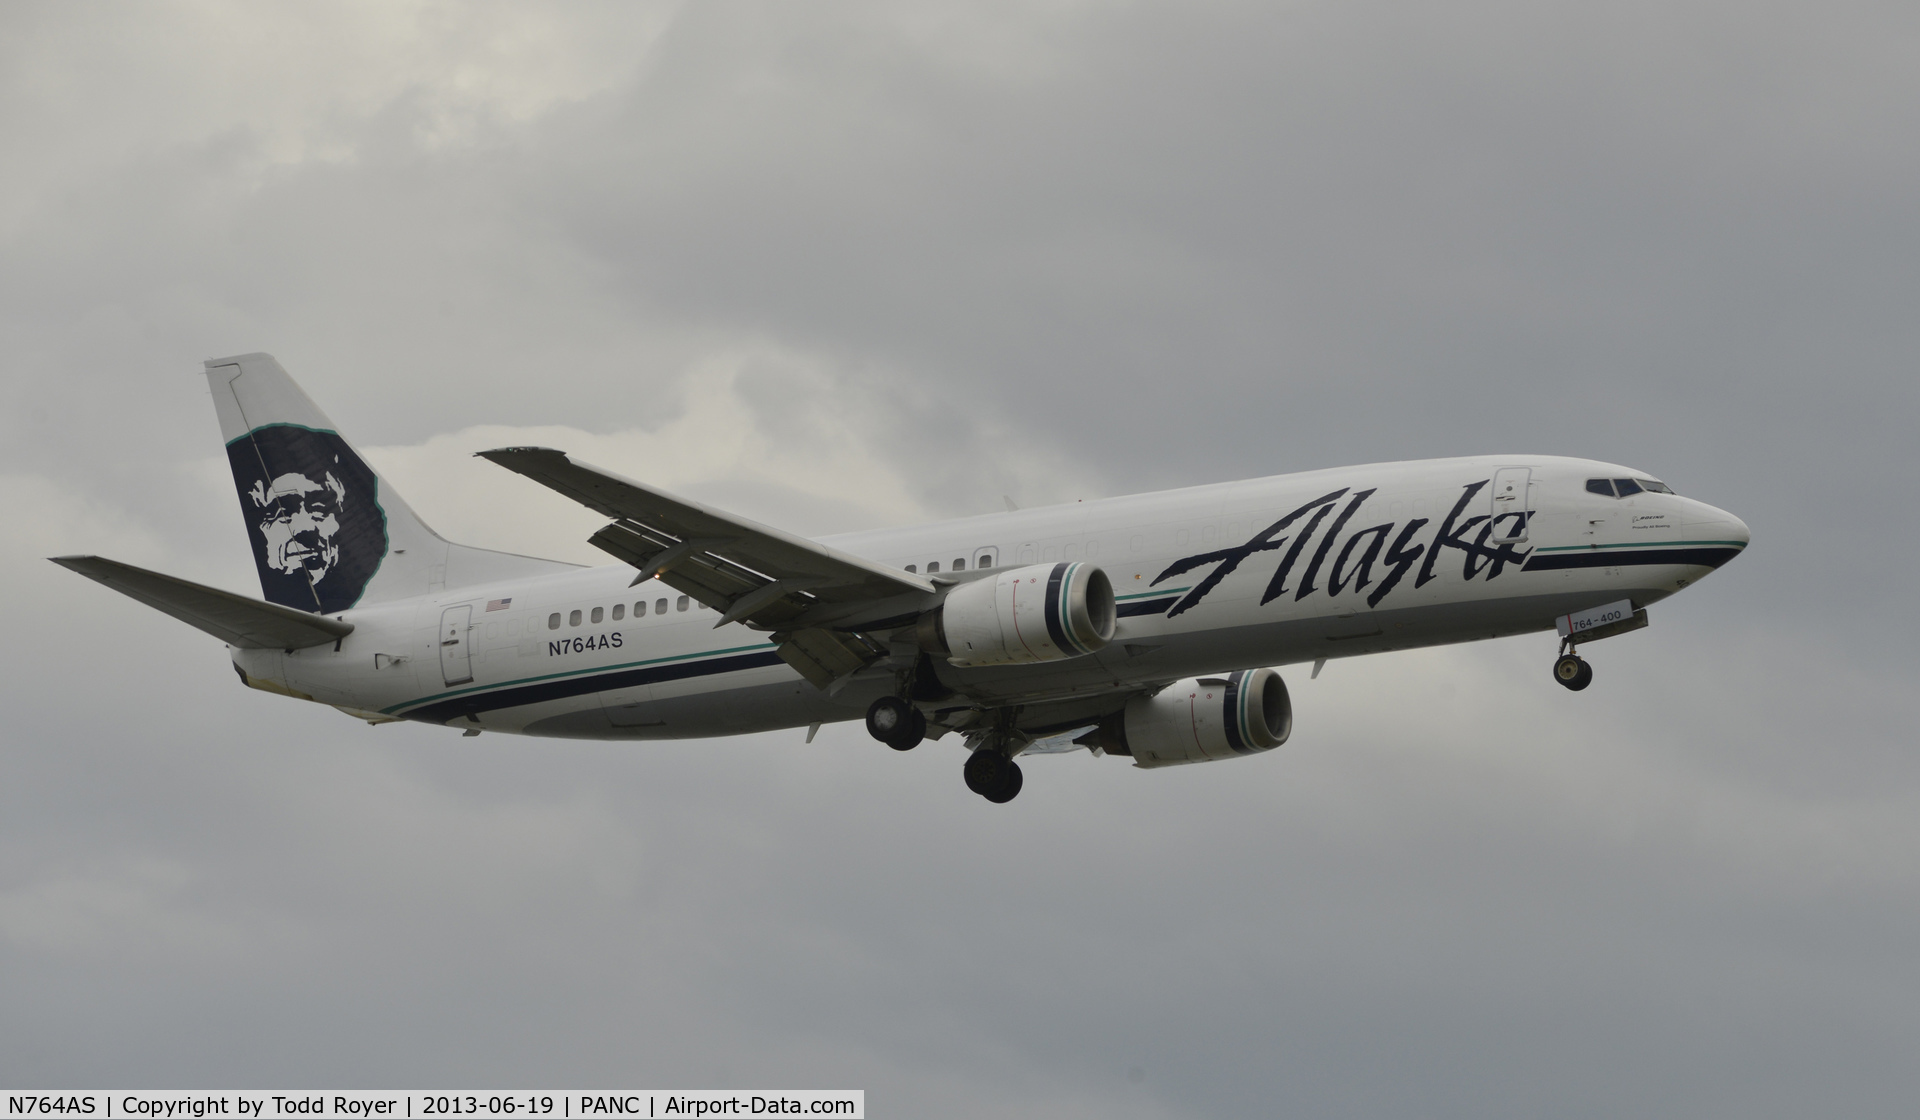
(827, 609)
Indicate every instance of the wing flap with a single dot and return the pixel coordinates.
(686, 567)
(752, 573)
(234, 619)
(824, 657)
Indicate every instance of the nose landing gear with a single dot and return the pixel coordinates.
(1572, 671)
(896, 723)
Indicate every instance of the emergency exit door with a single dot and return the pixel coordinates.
(456, 667)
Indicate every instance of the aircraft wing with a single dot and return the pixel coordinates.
(234, 619)
(823, 605)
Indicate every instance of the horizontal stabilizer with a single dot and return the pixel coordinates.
(234, 619)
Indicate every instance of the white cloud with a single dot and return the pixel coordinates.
(48, 518)
(769, 434)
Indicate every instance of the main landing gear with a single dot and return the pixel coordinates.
(990, 772)
(993, 775)
(896, 723)
(1572, 671)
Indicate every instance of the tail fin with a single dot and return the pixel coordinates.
(327, 531)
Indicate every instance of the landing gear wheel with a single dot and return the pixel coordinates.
(909, 736)
(993, 776)
(888, 717)
(1573, 672)
(1010, 784)
(896, 723)
(983, 770)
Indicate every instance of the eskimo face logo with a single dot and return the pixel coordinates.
(318, 531)
(300, 519)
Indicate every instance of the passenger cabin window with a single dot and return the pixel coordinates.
(640, 609)
(985, 562)
(913, 567)
(553, 621)
(933, 566)
(959, 563)
(598, 614)
(573, 619)
(619, 611)
(1600, 486)
(682, 604)
(659, 606)
(1626, 487)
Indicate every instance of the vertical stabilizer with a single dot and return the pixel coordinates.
(327, 531)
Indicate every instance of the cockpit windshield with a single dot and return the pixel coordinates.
(1626, 487)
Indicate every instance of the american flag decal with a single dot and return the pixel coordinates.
(499, 604)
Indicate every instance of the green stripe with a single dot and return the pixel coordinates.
(1065, 608)
(1151, 594)
(1636, 544)
(1246, 702)
(568, 673)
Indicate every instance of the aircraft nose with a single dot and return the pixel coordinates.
(1723, 528)
(1738, 531)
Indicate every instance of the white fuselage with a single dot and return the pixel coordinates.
(1380, 557)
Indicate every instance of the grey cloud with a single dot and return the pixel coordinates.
(1165, 245)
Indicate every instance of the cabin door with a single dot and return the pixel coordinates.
(1511, 509)
(456, 665)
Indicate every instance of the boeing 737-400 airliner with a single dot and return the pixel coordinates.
(1143, 626)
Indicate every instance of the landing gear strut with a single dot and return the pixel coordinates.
(1571, 671)
(896, 723)
(993, 775)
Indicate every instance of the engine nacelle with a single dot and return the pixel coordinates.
(1201, 719)
(1042, 612)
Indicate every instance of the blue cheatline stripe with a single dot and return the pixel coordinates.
(1693, 557)
(1235, 721)
(595, 673)
(1050, 609)
(1065, 599)
(581, 686)
(1640, 544)
(569, 673)
(1145, 606)
(1147, 602)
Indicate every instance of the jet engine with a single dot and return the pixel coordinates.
(1200, 719)
(1043, 612)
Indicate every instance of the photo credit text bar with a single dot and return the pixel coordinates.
(572, 1104)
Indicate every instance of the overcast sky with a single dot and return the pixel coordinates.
(838, 266)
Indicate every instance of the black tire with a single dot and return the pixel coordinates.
(911, 733)
(1009, 787)
(1573, 672)
(993, 776)
(985, 771)
(888, 718)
